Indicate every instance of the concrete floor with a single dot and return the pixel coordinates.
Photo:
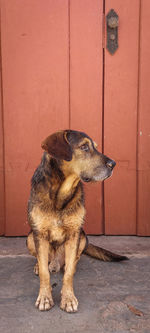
(113, 297)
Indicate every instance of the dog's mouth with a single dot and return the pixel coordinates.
(96, 178)
(86, 179)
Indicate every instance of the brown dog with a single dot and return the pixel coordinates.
(56, 211)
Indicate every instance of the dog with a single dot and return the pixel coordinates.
(56, 211)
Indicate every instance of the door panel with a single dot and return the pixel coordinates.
(2, 193)
(57, 74)
(35, 92)
(144, 124)
(120, 120)
(86, 72)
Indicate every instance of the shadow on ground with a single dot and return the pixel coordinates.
(113, 297)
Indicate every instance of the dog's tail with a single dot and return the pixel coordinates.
(102, 254)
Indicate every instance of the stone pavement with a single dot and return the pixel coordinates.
(113, 297)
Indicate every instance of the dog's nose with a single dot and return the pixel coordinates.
(110, 164)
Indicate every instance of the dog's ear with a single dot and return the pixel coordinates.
(58, 146)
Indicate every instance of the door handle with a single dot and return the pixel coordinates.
(112, 21)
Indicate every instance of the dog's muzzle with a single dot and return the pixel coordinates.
(100, 173)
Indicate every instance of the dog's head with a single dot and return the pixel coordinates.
(78, 154)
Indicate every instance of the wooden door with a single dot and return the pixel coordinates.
(47, 67)
(127, 121)
(58, 74)
(35, 73)
(86, 90)
(2, 187)
(120, 125)
(143, 139)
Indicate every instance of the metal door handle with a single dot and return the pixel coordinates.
(112, 20)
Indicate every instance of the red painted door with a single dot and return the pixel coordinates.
(127, 121)
(86, 90)
(35, 73)
(56, 74)
(120, 124)
(143, 139)
(43, 63)
(2, 190)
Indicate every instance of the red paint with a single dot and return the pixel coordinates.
(2, 195)
(35, 93)
(86, 89)
(143, 207)
(120, 116)
(52, 71)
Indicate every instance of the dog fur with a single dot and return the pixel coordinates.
(56, 211)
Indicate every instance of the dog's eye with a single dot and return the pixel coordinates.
(85, 147)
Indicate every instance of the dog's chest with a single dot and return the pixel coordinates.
(56, 232)
(54, 227)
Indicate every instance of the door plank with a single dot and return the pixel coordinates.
(86, 70)
(143, 209)
(35, 87)
(120, 121)
(2, 192)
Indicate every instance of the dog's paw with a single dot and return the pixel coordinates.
(44, 301)
(36, 269)
(69, 303)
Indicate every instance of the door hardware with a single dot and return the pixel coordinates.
(112, 21)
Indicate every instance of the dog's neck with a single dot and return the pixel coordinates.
(66, 190)
(63, 184)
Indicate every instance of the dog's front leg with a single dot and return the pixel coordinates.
(69, 302)
(44, 300)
